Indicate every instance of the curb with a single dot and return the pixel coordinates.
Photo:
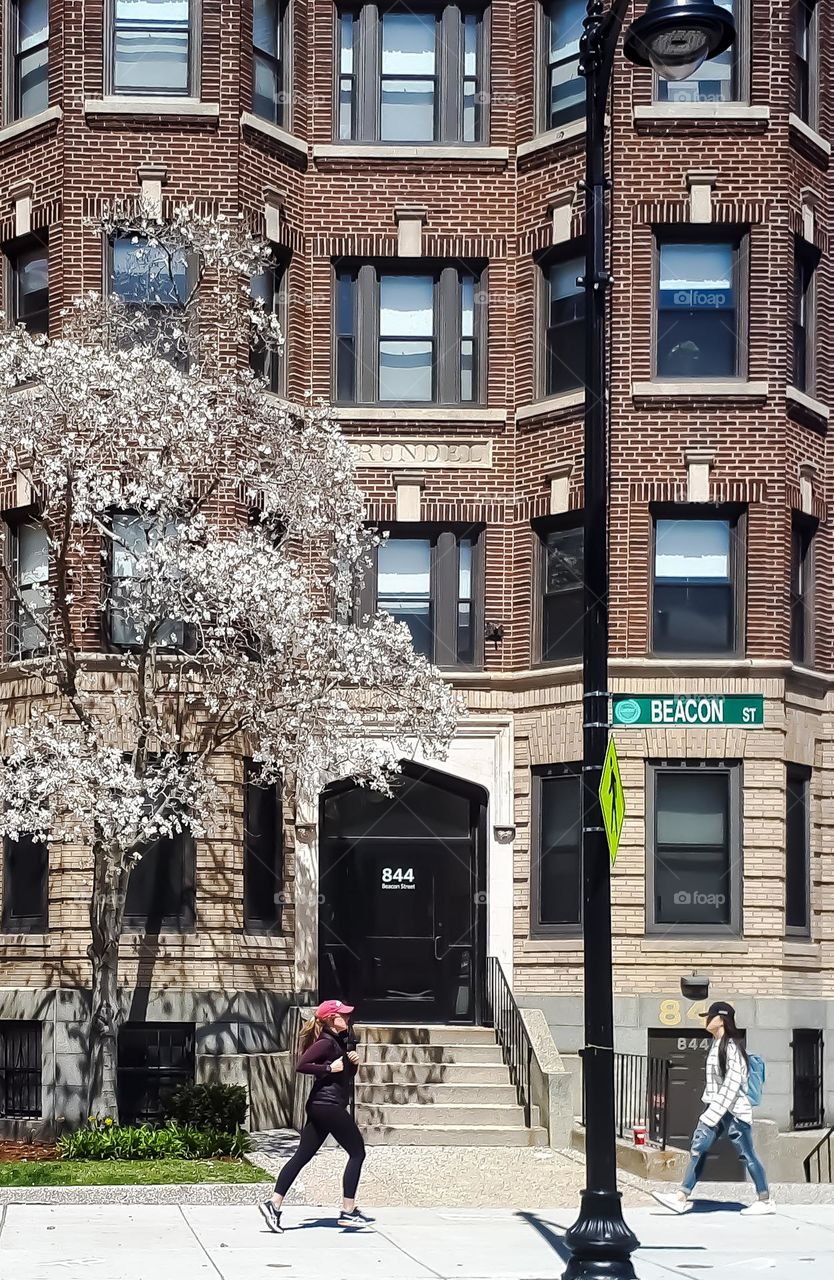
(196, 1193)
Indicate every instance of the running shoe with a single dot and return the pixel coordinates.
(670, 1200)
(354, 1218)
(271, 1216)
(758, 1209)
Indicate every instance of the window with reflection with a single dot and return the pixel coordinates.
(806, 60)
(562, 591)
(152, 47)
(271, 60)
(564, 318)
(269, 288)
(132, 537)
(696, 605)
(29, 36)
(28, 600)
(147, 278)
(564, 88)
(28, 275)
(411, 74)
(698, 310)
(717, 80)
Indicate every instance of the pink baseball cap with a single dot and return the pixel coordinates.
(329, 1008)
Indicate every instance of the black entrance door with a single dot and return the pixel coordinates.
(402, 906)
(687, 1053)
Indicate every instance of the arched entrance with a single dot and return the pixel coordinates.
(402, 914)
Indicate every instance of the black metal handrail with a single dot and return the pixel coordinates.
(820, 1158)
(510, 1028)
(641, 1092)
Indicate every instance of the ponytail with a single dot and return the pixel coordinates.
(311, 1031)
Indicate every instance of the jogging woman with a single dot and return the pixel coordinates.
(728, 1111)
(326, 1057)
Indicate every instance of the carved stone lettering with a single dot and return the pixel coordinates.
(423, 453)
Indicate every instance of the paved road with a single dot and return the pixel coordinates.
(166, 1242)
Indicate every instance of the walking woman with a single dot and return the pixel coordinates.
(327, 1057)
(728, 1111)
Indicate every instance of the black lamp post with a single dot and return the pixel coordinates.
(674, 37)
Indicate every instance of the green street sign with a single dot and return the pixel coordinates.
(690, 711)
(612, 799)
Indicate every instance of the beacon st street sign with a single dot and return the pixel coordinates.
(689, 711)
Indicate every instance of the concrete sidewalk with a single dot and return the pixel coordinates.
(166, 1242)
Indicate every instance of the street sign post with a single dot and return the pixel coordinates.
(689, 710)
(612, 799)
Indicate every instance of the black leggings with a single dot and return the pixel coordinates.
(324, 1118)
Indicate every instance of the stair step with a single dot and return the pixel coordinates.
(431, 1115)
(425, 1035)
(420, 1135)
(430, 1053)
(402, 1073)
(442, 1094)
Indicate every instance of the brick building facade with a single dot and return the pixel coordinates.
(417, 172)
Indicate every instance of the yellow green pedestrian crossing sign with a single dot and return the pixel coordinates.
(612, 799)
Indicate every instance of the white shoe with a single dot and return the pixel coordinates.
(671, 1200)
(759, 1208)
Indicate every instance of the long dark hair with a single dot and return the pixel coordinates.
(731, 1032)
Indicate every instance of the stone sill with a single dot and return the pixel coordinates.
(396, 153)
(23, 940)
(551, 404)
(250, 121)
(552, 138)
(403, 413)
(700, 389)
(19, 127)
(801, 949)
(530, 946)
(695, 942)
(714, 112)
(810, 134)
(179, 108)
(794, 396)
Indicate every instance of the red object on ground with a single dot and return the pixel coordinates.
(639, 1136)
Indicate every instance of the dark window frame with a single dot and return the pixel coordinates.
(802, 589)
(544, 70)
(193, 64)
(256, 921)
(733, 770)
(272, 365)
(447, 336)
(157, 1079)
(537, 927)
(804, 316)
(366, 75)
(13, 922)
(694, 234)
(21, 1069)
(138, 922)
(810, 1042)
(573, 251)
(12, 102)
(444, 583)
(14, 520)
(806, 70)
(281, 67)
(14, 252)
(798, 793)
(178, 357)
(543, 528)
(737, 517)
(741, 65)
(187, 635)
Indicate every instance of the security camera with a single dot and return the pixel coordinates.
(695, 987)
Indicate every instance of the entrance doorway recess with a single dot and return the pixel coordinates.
(402, 905)
(686, 1052)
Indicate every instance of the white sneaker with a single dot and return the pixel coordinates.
(671, 1200)
(759, 1208)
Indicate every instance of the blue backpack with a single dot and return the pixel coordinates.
(755, 1078)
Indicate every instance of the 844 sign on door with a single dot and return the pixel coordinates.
(397, 877)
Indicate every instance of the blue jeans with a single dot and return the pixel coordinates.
(741, 1135)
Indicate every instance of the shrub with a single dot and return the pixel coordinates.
(103, 1140)
(220, 1107)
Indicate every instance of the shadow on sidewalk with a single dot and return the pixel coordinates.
(548, 1231)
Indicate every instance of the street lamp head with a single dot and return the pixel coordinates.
(675, 37)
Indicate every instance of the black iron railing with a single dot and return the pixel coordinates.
(513, 1037)
(819, 1162)
(641, 1091)
(20, 1070)
(808, 1111)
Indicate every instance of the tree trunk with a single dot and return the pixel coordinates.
(106, 911)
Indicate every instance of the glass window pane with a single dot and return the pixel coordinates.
(346, 43)
(693, 550)
(145, 274)
(563, 560)
(407, 110)
(408, 44)
(265, 90)
(30, 299)
(698, 266)
(33, 82)
(406, 306)
(464, 569)
(33, 555)
(697, 333)
(404, 587)
(265, 26)
(470, 44)
(694, 619)
(151, 46)
(560, 854)
(565, 21)
(32, 23)
(692, 859)
(405, 370)
(691, 808)
(566, 94)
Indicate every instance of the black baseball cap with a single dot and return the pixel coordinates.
(719, 1009)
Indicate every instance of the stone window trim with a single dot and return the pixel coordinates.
(143, 98)
(283, 68)
(366, 74)
(706, 233)
(365, 321)
(542, 527)
(798, 849)
(11, 112)
(741, 69)
(736, 514)
(537, 929)
(734, 769)
(444, 587)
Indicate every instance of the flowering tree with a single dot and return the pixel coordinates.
(212, 534)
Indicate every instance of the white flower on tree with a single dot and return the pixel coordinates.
(215, 535)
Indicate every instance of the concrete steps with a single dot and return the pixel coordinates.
(438, 1086)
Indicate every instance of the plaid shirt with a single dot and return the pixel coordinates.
(729, 1094)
